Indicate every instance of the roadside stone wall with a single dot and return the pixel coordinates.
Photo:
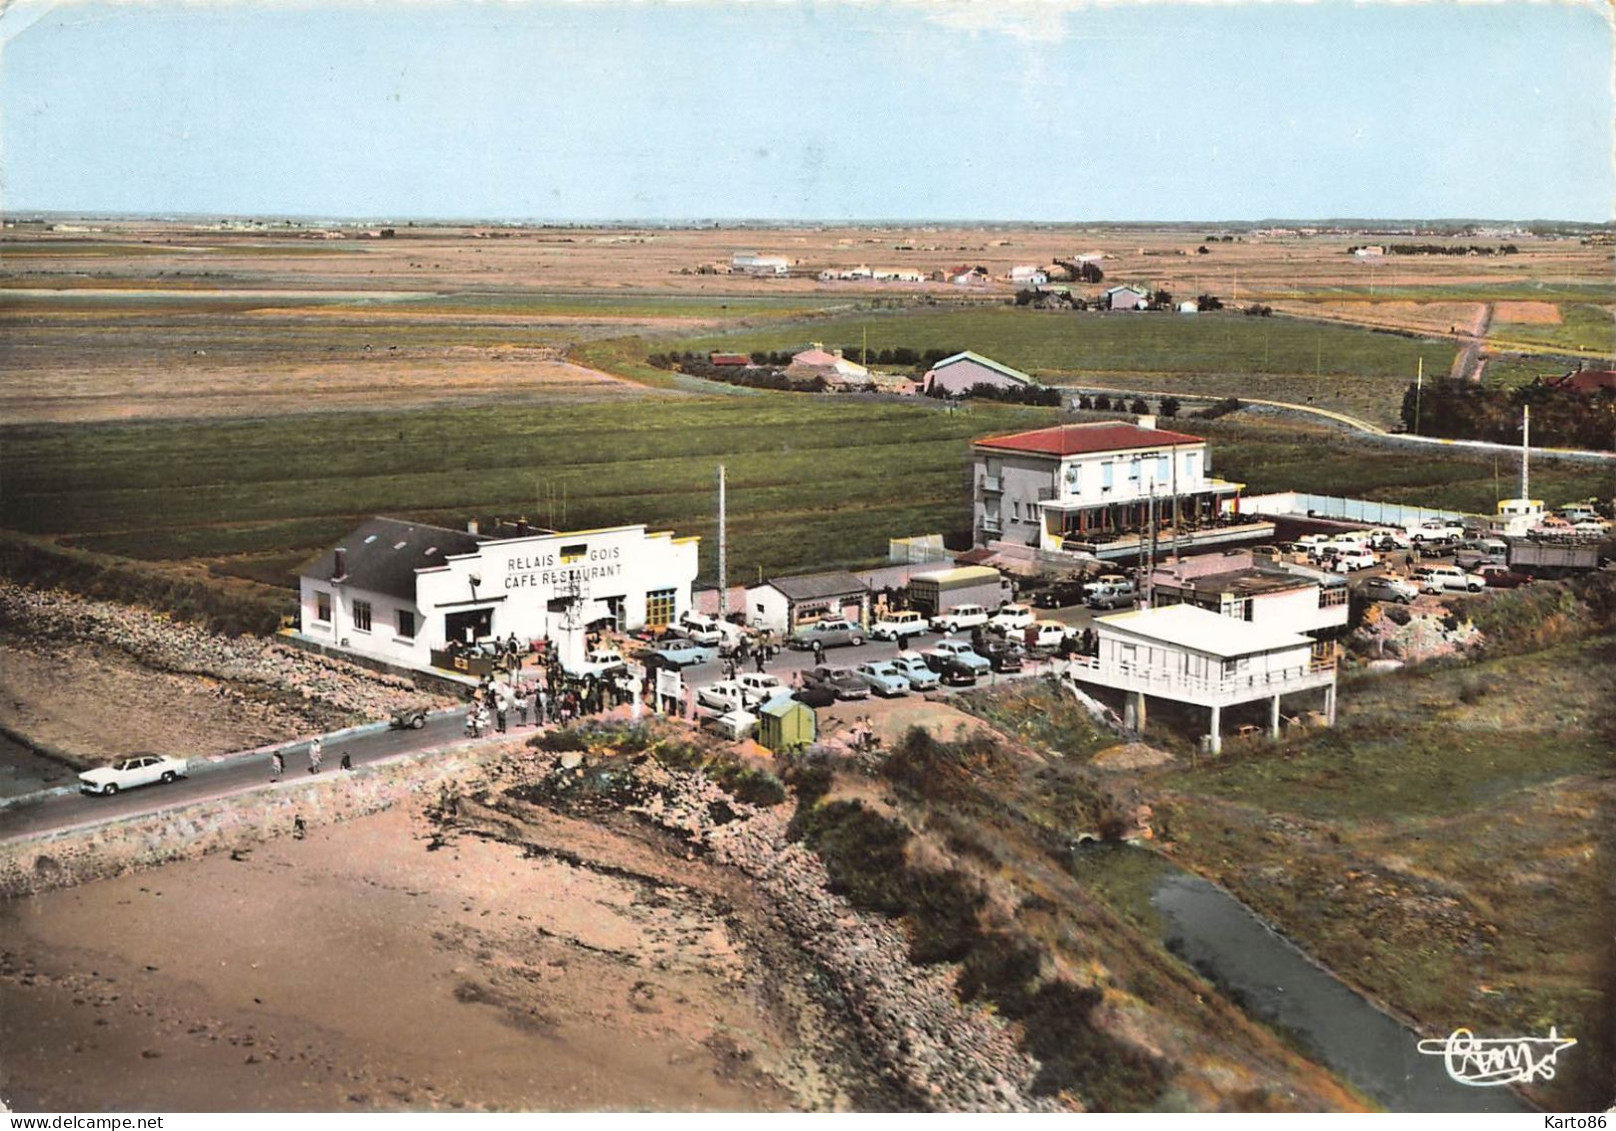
(176, 646)
(76, 856)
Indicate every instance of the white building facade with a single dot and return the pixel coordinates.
(401, 592)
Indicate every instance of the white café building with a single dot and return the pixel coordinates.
(1190, 655)
(400, 591)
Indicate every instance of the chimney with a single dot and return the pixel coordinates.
(471, 526)
(340, 573)
(1147, 421)
(837, 352)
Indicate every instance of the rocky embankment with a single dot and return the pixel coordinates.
(354, 693)
(927, 1046)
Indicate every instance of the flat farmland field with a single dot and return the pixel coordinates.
(812, 482)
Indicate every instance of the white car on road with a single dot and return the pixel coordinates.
(725, 696)
(138, 769)
(1011, 618)
(899, 626)
(760, 687)
(960, 616)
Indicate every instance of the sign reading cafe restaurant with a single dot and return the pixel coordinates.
(399, 591)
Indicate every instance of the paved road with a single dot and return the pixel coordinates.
(237, 773)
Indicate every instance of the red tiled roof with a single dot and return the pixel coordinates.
(1077, 439)
(1586, 380)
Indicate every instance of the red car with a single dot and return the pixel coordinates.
(1501, 577)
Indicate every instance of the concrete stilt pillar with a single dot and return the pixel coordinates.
(1217, 736)
(1139, 710)
(1273, 719)
(1329, 705)
(1127, 713)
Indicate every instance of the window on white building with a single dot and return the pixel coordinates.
(659, 607)
(361, 616)
(1192, 463)
(1164, 469)
(406, 623)
(1133, 470)
(1108, 474)
(1015, 510)
(322, 606)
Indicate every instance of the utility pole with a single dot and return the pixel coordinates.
(723, 551)
(1419, 388)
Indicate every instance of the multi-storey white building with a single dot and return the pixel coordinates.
(1096, 489)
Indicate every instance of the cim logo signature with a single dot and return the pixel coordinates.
(1492, 1062)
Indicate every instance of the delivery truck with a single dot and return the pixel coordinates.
(934, 593)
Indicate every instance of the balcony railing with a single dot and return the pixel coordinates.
(992, 484)
(1179, 685)
(992, 525)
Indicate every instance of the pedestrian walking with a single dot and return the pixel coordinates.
(819, 652)
(500, 711)
(347, 762)
(316, 755)
(299, 829)
(277, 766)
(541, 707)
(758, 657)
(521, 707)
(482, 719)
(471, 720)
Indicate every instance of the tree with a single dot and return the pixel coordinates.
(1085, 401)
(1162, 299)
(1203, 250)
(1139, 407)
(1208, 302)
(1102, 403)
(1091, 273)
(1168, 408)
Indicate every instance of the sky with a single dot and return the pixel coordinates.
(836, 110)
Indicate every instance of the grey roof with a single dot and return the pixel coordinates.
(986, 362)
(808, 586)
(384, 553)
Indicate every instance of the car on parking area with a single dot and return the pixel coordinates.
(841, 681)
(913, 668)
(759, 687)
(675, 652)
(1387, 538)
(814, 695)
(1591, 527)
(1106, 581)
(1113, 597)
(1059, 595)
(953, 673)
(899, 626)
(1446, 578)
(1010, 618)
(1046, 634)
(1004, 655)
(958, 617)
(956, 651)
(1436, 530)
(725, 695)
(1352, 559)
(829, 633)
(1390, 589)
(883, 679)
(135, 770)
(1501, 577)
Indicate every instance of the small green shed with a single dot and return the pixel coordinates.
(786, 724)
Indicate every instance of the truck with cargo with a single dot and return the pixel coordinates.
(1551, 559)
(933, 593)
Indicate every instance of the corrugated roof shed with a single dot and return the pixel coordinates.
(809, 586)
(1187, 626)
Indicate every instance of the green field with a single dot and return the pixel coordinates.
(812, 482)
(1050, 342)
(1583, 326)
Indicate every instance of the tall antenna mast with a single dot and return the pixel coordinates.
(723, 550)
(1526, 447)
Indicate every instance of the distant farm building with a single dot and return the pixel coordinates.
(751, 263)
(830, 367)
(736, 359)
(1126, 298)
(1028, 276)
(1584, 381)
(966, 276)
(960, 373)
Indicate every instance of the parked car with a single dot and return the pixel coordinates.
(127, 773)
(1388, 538)
(1591, 527)
(1114, 597)
(1106, 581)
(1010, 618)
(698, 629)
(410, 718)
(1351, 559)
(1046, 634)
(1444, 578)
(840, 681)
(814, 696)
(953, 673)
(759, 687)
(1060, 595)
(958, 617)
(1501, 577)
(675, 652)
(899, 626)
(1437, 530)
(600, 663)
(957, 651)
(725, 695)
(1390, 589)
(829, 634)
(913, 668)
(883, 679)
(1004, 655)
(733, 725)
